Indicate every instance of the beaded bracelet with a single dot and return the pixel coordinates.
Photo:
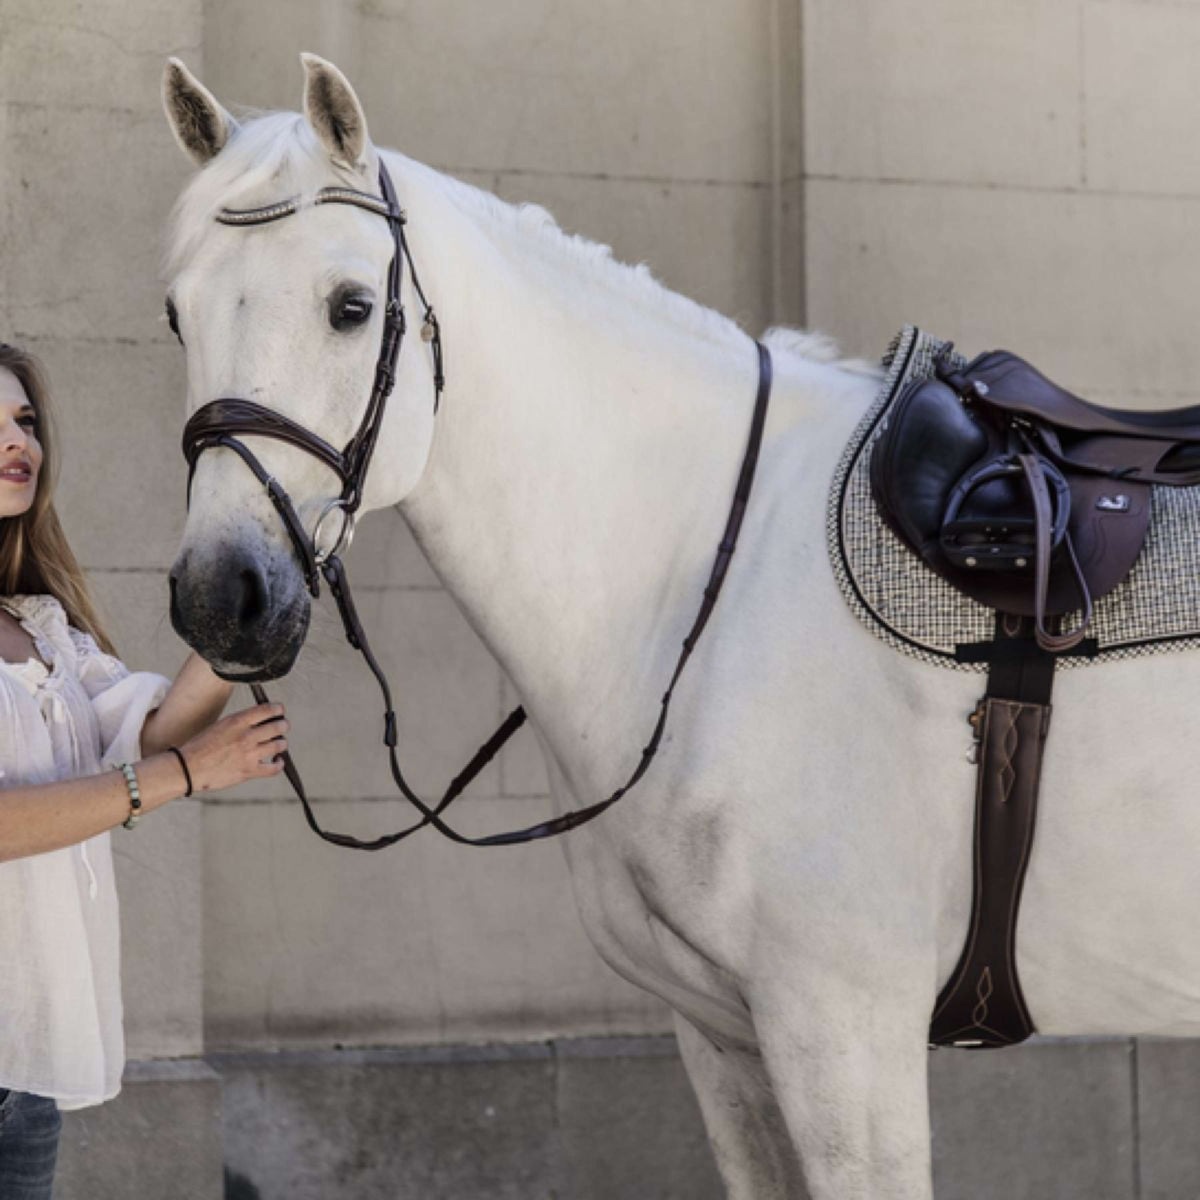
(135, 795)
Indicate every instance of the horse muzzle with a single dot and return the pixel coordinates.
(245, 613)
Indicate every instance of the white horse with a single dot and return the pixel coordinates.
(793, 875)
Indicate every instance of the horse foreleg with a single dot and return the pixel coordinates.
(849, 1075)
(745, 1127)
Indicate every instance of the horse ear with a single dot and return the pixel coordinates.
(334, 112)
(200, 125)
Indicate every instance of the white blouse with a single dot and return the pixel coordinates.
(60, 971)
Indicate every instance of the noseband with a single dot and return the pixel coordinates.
(222, 422)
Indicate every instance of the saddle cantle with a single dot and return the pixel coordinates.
(1025, 497)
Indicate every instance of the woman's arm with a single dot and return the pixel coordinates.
(48, 816)
(196, 699)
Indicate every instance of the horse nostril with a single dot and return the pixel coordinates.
(253, 600)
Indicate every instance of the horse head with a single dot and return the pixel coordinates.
(282, 322)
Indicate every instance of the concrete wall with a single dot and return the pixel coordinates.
(87, 171)
(1019, 174)
(656, 128)
(660, 129)
(1022, 175)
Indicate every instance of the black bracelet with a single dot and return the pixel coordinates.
(183, 763)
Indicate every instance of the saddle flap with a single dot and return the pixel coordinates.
(927, 444)
(1109, 520)
(1106, 527)
(945, 480)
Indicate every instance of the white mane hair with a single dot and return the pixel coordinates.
(541, 235)
(817, 348)
(276, 156)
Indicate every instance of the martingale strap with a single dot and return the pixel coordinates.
(431, 814)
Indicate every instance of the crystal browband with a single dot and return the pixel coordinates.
(329, 195)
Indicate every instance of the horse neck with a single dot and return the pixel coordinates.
(582, 466)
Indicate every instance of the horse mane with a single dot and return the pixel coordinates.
(540, 235)
(541, 232)
(276, 155)
(819, 348)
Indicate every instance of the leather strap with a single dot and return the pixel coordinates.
(982, 1005)
(1044, 524)
(221, 422)
(232, 417)
(431, 813)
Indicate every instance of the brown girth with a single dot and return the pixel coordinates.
(981, 1005)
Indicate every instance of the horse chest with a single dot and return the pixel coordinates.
(642, 941)
(649, 899)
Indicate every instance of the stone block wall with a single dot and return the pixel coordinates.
(658, 129)
(87, 171)
(1021, 174)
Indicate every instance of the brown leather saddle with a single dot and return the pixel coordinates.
(1025, 497)
(1035, 503)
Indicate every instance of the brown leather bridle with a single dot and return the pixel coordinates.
(222, 422)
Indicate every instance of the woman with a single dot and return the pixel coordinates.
(84, 746)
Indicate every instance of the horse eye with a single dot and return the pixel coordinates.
(349, 311)
(173, 319)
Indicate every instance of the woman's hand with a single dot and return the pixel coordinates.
(245, 745)
(195, 701)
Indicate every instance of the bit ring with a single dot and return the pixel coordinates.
(345, 533)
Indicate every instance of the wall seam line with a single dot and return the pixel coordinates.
(1136, 1115)
(776, 264)
(1014, 188)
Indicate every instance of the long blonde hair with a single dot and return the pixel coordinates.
(35, 556)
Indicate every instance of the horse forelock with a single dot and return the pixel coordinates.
(271, 157)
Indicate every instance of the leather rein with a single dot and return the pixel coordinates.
(222, 422)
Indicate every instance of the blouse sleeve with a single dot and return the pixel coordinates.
(122, 699)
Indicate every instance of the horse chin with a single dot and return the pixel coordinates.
(234, 672)
(238, 660)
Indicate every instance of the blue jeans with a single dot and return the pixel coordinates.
(29, 1127)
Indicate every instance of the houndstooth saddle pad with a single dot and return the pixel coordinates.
(899, 599)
